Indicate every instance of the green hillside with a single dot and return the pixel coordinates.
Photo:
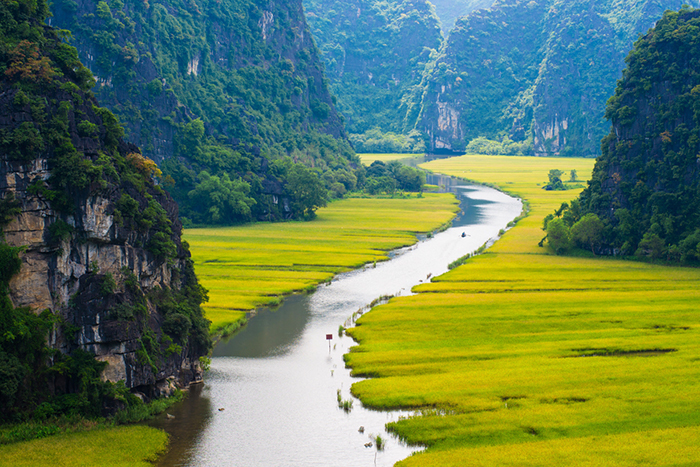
(537, 73)
(375, 54)
(646, 184)
(215, 92)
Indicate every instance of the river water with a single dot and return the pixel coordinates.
(270, 398)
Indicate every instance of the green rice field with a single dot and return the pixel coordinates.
(133, 446)
(249, 266)
(523, 358)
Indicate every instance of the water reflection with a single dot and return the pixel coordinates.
(269, 333)
(277, 380)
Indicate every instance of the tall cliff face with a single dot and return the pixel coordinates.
(102, 248)
(535, 71)
(223, 87)
(645, 186)
(375, 54)
(449, 11)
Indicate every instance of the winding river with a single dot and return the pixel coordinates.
(270, 398)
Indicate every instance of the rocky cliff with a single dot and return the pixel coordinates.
(375, 54)
(101, 239)
(538, 72)
(645, 186)
(449, 11)
(222, 87)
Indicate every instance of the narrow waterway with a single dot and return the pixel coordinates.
(270, 398)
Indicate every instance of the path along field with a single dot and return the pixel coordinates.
(249, 266)
(522, 358)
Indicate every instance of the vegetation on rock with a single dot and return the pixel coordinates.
(645, 187)
(450, 11)
(62, 156)
(375, 54)
(535, 73)
(214, 92)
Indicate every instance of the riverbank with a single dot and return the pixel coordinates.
(281, 372)
(520, 357)
(250, 266)
(129, 446)
(256, 265)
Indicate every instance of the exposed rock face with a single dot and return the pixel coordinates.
(536, 71)
(375, 54)
(450, 11)
(102, 240)
(190, 48)
(646, 184)
(54, 274)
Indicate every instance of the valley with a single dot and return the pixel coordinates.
(362, 232)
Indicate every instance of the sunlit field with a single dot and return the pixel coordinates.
(133, 446)
(249, 266)
(367, 159)
(523, 358)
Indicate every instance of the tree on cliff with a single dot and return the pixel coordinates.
(645, 187)
(65, 169)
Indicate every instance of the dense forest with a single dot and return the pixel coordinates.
(449, 11)
(533, 76)
(644, 197)
(219, 93)
(91, 260)
(375, 54)
(511, 76)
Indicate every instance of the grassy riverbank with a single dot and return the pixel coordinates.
(254, 265)
(245, 267)
(520, 357)
(131, 446)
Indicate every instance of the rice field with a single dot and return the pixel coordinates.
(245, 267)
(522, 358)
(133, 446)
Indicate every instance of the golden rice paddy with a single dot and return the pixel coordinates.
(245, 267)
(523, 358)
(133, 446)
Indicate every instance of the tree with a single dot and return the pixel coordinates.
(558, 235)
(306, 191)
(588, 231)
(221, 199)
(574, 176)
(555, 182)
(651, 245)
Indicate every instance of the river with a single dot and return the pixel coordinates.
(270, 398)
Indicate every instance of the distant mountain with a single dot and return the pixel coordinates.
(646, 184)
(375, 54)
(215, 92)
(537, 72)
(449, 11)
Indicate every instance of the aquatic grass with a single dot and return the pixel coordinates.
(379, 442)
(527, 358)
(249, 266)
(131, 446)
